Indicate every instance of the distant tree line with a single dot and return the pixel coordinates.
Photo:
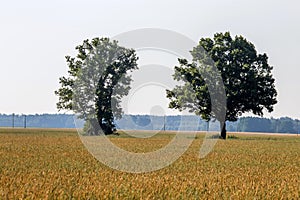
(272, 125)
(37, 121)
(149, 122)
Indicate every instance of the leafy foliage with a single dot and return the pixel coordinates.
(246, 75)
(97, 82)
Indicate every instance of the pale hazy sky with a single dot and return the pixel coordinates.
(36, 35)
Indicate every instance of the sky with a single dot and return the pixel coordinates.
(36, 35)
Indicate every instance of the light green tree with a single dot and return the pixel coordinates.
(98, 79)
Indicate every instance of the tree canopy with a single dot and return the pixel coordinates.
(98, 79)
(246, 75)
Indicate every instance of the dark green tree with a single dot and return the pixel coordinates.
(98, 79)
(246, 75)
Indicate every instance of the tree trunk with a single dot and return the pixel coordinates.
(104, 114)
(106, 127)
(223, 130)
(93, 128)
(97, 127)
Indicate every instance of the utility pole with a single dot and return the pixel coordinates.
(164, 122)
(207, 125)
(297, 127)
(13, 120)
(25, 121)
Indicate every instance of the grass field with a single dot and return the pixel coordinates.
(54, 164)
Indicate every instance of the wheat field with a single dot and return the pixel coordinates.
(54, 164)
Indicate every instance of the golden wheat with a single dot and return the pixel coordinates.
(54, 164)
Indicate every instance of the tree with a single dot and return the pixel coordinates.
(256, 124)
(98, 79)
(286, 125)
(246, 75)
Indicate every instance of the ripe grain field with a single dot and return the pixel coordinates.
(54, 164)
